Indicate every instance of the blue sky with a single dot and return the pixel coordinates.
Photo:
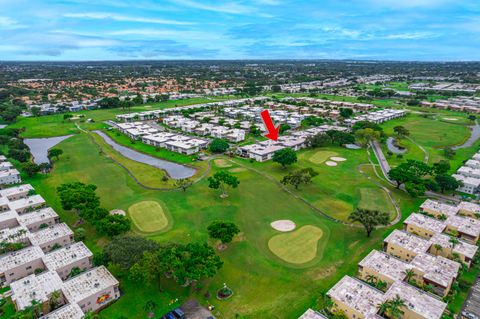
(239, 29)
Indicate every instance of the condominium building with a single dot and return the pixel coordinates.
(437, 271)
(445, 246)
(355, 298)
(58, 235)
(418, 303)
(383, 267)
(70, 311)
(437, 209)
(65, 259)
(19, 264)
(405, 246)
(423, 226)
(36, 288)
(92, 290)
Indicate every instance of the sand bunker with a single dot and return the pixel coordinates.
(284, 225)
(338, 159)
(450, 119)
(330, 163)
(117, 212)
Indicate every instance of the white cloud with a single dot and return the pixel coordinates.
(223, 6)
(9, 23)
(408, 4)
(119, 17)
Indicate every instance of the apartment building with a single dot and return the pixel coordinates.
(469, 209)
(39, 219)
(312, 314)
(8, 174)
(424, 226)
(383, 267)
(67, 258)
(405, 246)
(443, 245)
(45, 262)
(437, 271)
(19, 264)
(438, 209)
(356, 299)
(49, 238)
(36, 288)
(70, 311)
(418, 303)
(92, 290)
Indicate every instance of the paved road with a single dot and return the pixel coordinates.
(472, 304)
(386, 168)
(381, 159)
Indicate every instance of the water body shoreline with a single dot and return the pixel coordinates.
(174, 170)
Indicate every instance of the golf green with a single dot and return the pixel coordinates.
(321, 156)
(297, 247)
(148, 216)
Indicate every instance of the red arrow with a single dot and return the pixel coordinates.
(272, 130)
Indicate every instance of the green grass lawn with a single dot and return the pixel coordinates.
(145, 174)
(433, 133)
(148, 216)
(336, 190)
(271, 287)
(55, 125)
(297, 247)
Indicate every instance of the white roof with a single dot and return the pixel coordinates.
(357, 295)
(51, 233)
(20, 257)
(425, 222)
(66, 255)
(385, 264)
(16, 190)
(408, 241)
(426, 305)
(70, 311)
(36, 288)
(37, 216)
(88, 283)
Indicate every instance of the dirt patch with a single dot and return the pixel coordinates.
(237, 170)
(222, 163)
(283, 225)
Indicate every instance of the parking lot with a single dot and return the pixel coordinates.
(472, 305)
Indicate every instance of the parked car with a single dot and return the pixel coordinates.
(178, 313)
(469, 315)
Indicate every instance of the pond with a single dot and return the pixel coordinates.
(394, 148)
(39, 147)
(474, 136)
(174, 170)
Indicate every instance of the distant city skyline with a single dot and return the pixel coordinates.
(80, 30)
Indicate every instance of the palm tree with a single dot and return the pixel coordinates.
(381, 285)
(409, 273)
(371, 279)
(53, 299)
(395, 310)
(392, 308)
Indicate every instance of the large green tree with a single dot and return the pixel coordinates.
(369, 219)
(184, 263)
(298, 177)
(447, 183)
(221, 180)
(78, 196)
(219, 145)
(113, 225)
(286, 156)
(125, 251)
(223, 231)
